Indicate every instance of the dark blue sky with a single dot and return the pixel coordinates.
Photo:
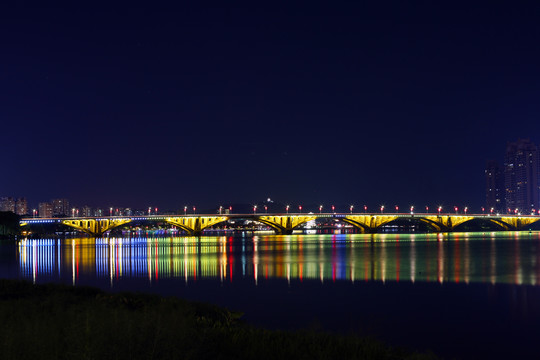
(217, 103)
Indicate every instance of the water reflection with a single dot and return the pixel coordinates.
(511, 257)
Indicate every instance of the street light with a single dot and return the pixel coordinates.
(287, 208)
(456, 209)
(412, 209)
(254, 209)
(300, 208)
(333, 208)
(427, 209)
(466, 208)
(185, 210)
(266, 209)
(194, 208)
(320, 209)
(110, 211)
(439, 210)
(220, 209)
(34, 212)
(382, 208)
(365, 209)
(491, 211)
(352, 207)
(397, 209)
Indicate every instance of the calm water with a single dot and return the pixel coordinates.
(463, 295)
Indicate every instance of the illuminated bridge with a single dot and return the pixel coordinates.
(285, 223)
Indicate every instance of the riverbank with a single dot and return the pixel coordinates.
(63, 322)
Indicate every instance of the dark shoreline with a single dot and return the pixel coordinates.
(60, 321)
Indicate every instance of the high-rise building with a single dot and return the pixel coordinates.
(61, 207)
(86, 211)
(494, 187)
(7, 204)
(45, 210)
(21, 206)
(521, 175)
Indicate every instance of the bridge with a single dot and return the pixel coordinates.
(284, 224)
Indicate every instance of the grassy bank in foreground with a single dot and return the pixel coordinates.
(62, 322)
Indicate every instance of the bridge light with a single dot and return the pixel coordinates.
(466, 208)
(333, 208)
(397, 208)
(110, 211)
(194, 208)
(300, 208)
(230, 209)
(287, 208)
(266, 209)
(254, 209)
(365, 208)
(351, 208)
(483, 210)
(491, 210)
(439, 209)
(456, 209)
(185, 210)
(320, 209)
(382, 208)
(412, 209)
(427, 209)
(220, 209)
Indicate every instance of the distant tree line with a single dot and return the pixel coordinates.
(9, 224)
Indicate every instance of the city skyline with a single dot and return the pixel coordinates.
(233, 103)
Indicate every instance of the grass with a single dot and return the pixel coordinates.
(63, 322)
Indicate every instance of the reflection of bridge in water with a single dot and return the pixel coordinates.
(284, 224)
(468, 257)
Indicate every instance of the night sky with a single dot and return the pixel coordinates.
(212, 103)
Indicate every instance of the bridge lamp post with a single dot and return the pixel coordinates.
(320, 209)
(382, 208)
(483, 210)
(333, 209)
(185, 210)
(439, 210)
(466, 208)
(412, 209)
(110, 211)
(194, 208)
(365, 209)
(230, 209)
(287, 208)
(266, 209)
(34, 212)
(77, 212)
(456, 209)
(397, 209)
(72, 212)
(300, 208)
(254, 209)
(427, 209)
(149, 210)
(491, 211)
(351, 208)
(220, 209)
